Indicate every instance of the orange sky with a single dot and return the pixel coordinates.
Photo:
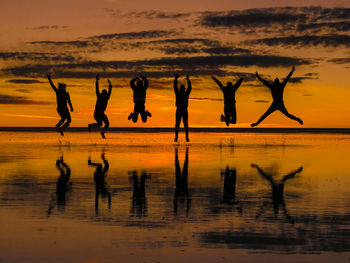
(75, 40)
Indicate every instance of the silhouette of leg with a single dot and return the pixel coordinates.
(233, 114)
(285, 112)
(271, 109)
(62, 114)
(67, 123)
(177, 124)
(227, 114)
(106, 122)
(143, 116)
(185, 121)
(98, 117)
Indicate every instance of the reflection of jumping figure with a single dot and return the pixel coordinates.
(100, 183)
(182, 96)
(139, 99)
(229, 92)
(277, 90)
(139, 204)
(277, 191)
(181, 182)
(100, 107)
(62, 186)
(230, 178)
(62, 97)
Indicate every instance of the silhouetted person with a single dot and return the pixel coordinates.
(62, 186)
(181, 182)
(100, 184)
(277, 191)
(139, 204)
(182, 96)
(277, 90)
(139, 98)
(229, 92)
(100, 107)
(62, 97)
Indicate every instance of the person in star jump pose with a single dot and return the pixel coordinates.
(277, 89)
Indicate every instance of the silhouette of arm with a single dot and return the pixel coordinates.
(265, 175)
(145, 82)
(93, 164)
(96, 84)
(292, 174)
(51, 83)
(288, 77)
(267, 84)
(109, 88)
(69, 102)
(132, 83)
(106, 167)
(219, 83)
(176, 88)
(238, 83)
(68, 171)
(189, 85)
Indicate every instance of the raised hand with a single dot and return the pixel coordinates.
(176, 76)
(109, 82)
(97, 77)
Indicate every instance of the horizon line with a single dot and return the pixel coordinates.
(192, 129)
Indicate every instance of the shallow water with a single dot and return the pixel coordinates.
(247, 198)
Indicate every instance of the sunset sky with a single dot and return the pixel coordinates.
(76, 39)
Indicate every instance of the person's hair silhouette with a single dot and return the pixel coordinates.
(62, 97)
(277, 191)
(139, 89)
(277, 89)
(100, 107)
(181, 182)
(229, 92)
(100, 183)
(182, 96)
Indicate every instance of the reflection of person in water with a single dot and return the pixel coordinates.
(100, 184)
(62, 186)
(139, 204)
(181, 181)
(277, 192)
(230, 177)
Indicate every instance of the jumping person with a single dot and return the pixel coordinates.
(100, 107)
(277, 90)
(229, 92)
(182, 96)
(62, 97)
(139, 98)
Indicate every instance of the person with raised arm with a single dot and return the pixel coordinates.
(229, 92)
(100, 107)
(277, 89)
(182, 95)
(62, 97)
(139, 89)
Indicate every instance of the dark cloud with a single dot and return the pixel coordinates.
(340, 60)
(36, 56)
(51, 27)
(305, 40)
(75, 43)
(8, 99)
(23, 81)
(136, 35)
(199, 64)
(206, 99)
(150, 14)
(318, 27)
(261, 101)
